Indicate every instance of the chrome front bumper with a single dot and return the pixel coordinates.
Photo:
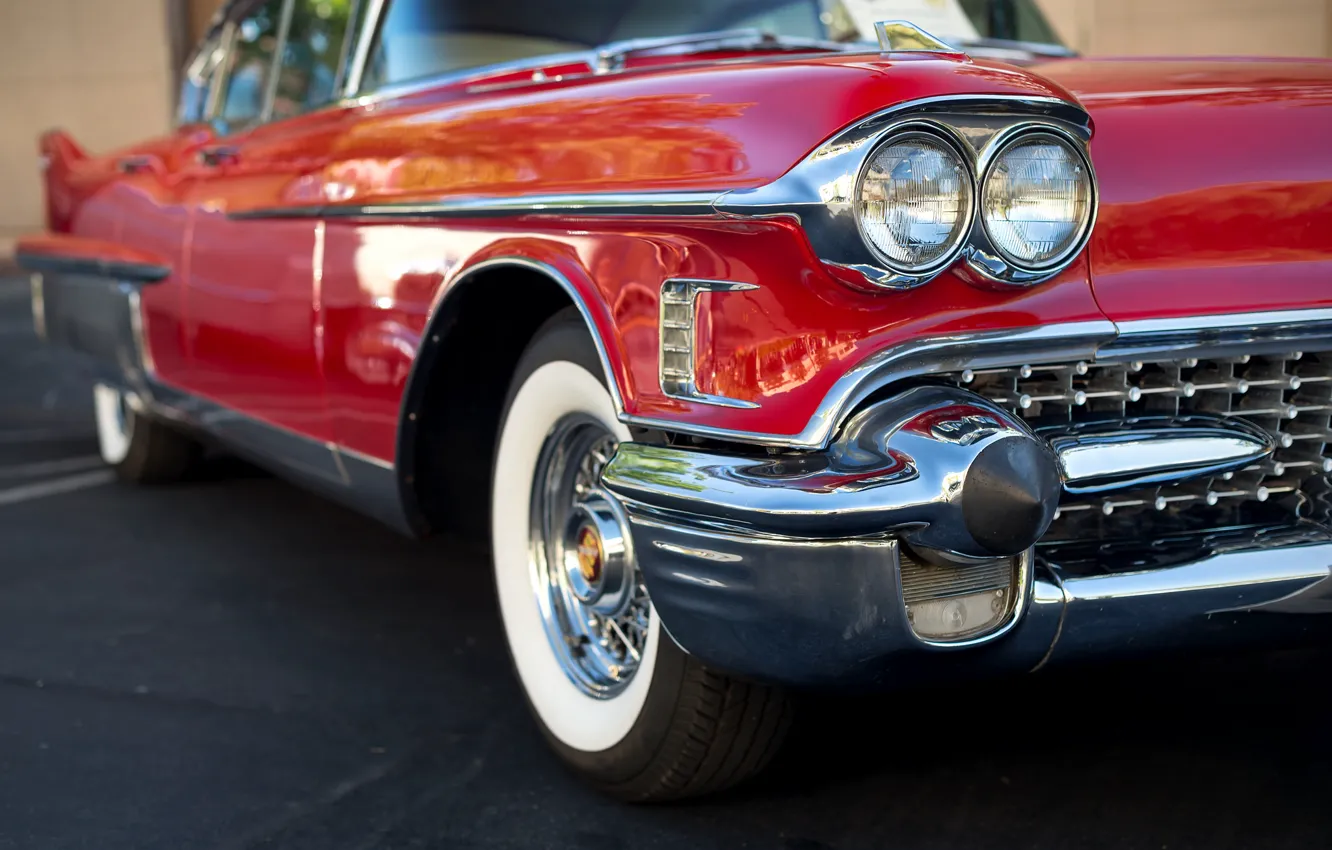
(791, 569)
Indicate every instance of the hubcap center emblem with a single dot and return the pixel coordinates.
(589, 555)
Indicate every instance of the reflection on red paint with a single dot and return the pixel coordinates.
(1216, 186)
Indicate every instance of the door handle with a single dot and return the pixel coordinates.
(218, 155)
(137, 164)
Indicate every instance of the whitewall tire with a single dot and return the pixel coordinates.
(139, 448)
(616, 698)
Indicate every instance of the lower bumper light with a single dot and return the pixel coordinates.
(955, 603)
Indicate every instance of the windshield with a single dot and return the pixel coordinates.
(423, 38)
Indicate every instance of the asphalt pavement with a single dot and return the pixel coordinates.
(232, 663)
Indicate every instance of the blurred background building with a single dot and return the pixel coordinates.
(106, 69)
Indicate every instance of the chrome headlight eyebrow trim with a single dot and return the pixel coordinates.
(821, 190)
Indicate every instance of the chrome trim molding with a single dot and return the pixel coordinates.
(1267, 584)
(91, 267)
(1103, 456)
(38, 305)
(593, 204)
(139, 333)
(897, 468)
(821, 192)
(1015, 607)
(1092, 341)
(368, 27)
(678, 335)
(904, 36)
(922, 356)
(882, 271)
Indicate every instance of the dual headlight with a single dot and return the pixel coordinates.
(917, 202)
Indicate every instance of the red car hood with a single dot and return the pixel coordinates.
(1216, 183)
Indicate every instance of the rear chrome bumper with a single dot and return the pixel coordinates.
(808, 570)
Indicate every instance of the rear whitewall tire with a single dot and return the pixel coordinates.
(139, 448)
(115, 424)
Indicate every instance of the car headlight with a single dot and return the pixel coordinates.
(1037, 200)
(914, 202)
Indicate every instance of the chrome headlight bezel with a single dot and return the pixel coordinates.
(822, 192)
(905, 276)
(983, 255)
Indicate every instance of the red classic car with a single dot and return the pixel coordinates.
(767, 361)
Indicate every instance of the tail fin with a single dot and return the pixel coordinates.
(59, 155)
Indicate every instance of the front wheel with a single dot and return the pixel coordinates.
(140, 449)
(616, 698)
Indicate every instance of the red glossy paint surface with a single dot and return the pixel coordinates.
(699, 128)
(1216, 184)
(323, 342)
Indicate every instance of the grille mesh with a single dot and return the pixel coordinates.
(1289, 396)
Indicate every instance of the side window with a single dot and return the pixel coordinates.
(424, 38)
(249, 66)
(311, 55)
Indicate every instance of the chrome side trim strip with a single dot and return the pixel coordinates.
(365, 484)
(1272, 326)
(597, 204)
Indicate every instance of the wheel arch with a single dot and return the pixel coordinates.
(448, 426)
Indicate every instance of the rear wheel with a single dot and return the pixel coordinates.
(616, 698)
(140, 449)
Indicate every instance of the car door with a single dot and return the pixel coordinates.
(151, 204)
(253, 322)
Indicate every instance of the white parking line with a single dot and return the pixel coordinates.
(45, 436)
(51, 467)
(55, 487)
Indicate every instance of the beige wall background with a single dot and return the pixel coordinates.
(101, 69)
(1194, 27)
(104, 69)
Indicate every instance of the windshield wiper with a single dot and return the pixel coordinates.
(612, 57)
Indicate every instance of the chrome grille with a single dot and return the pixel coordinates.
(1288, 395)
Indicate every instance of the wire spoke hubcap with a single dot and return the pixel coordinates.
(594, 605)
